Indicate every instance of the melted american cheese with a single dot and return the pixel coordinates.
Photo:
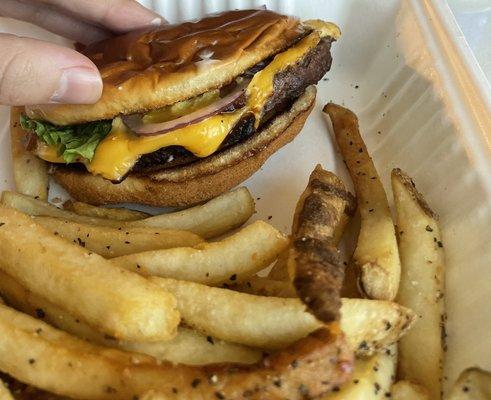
(261, 86)
(121, 149)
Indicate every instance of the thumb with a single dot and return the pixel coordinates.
(36, 72)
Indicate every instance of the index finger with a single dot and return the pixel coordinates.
(116, 15)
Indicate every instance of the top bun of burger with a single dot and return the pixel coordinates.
(146, 70)
(188, 110)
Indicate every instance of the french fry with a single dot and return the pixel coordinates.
(5, 392)
(371, 379)
(422, 285)
(272, 322)
(30, 172)
(193, 348)
(31, 206)
(261, 286)
(231, 260)
(472, 384)
(376, 256)
(342, 204)
(264, 322)
(116, 242)
(118, 214)
(37, 354)
(22, 391)
(314, 261)
(341, 211)
(214, 218)
(406, 390)
(187, 347)
(117, 302)
(371, 325)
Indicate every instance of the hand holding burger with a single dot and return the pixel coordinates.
(187, 111)
(37, 72)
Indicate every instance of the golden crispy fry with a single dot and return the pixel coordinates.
(30, 172)
(264, 322)
(37, 354)
(472, 384)
(118, 214)
(406, 390)
(422, 285)
(115, 242)
(273, 322)
(368, 324)
(371, 325)
(314, 260)
(214, 218)
(118, 302)
(190, 347)
(31, 206)
(26, 392)
(340, 219)
(371, 379)
(187, 347)
(376, 255)
(342, 206)
(265, 287)
(5, 392)
(233, 259)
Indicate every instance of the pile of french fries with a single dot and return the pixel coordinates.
(111, 303)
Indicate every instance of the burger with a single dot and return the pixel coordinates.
(187, 111)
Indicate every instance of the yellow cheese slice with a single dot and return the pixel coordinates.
(120, 150)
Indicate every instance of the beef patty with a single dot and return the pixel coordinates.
(288, 84)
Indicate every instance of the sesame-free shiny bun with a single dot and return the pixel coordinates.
(149, 69)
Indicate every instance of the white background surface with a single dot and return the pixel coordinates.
(474, 19)
(424, 105)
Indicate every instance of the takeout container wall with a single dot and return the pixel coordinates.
(396, 69)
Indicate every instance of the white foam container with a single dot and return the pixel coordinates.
(424, 105)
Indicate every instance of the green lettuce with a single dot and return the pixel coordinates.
(72, 141)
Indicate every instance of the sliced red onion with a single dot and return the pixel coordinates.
(135, 121)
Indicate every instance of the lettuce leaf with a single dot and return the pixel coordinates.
(73, 141)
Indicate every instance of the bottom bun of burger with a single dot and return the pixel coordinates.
(196, 182)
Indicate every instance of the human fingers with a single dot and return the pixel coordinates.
(53, 21)
(36, 72)
(115, 15)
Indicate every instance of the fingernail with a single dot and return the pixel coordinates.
(78, 85)
(157, 21)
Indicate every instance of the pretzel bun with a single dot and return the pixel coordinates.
(147, 70)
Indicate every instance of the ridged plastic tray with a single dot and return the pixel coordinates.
(424, 105)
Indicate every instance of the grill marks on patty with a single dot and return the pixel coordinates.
(289, 84)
